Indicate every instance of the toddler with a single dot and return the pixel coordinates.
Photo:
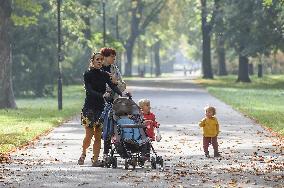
(149, 118)
(210, 127)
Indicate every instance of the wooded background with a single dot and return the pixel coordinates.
(225, 36)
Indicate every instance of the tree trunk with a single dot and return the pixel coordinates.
(118, 55)
(259, 66)
(151, 60)
(140, 58)
(206, 44)
(250, 65)
(222, 71)
(220, 39)
(129, 54)
(243, 74)
(7, 99)
(137, 27)
(144, 57)
(87, 31)
(133, 35)
(259, 71)
(206, 54)
(157, 58)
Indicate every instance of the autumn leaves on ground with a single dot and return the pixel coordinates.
(251, 156)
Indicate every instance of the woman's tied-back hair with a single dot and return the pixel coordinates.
(143, 102)
(210, 108)
(93, 58)
(106, 52)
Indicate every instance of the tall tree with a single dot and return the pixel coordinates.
(87, 20)
(142, 14)
(157, 47)
(34, 55)
(7, 99)
(164, 35)
(9, 18)
(238, 33)
(206, 39)
(221, 55)
(220, 38)
(252, 29)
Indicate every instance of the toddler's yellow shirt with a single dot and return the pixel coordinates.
(210, 127)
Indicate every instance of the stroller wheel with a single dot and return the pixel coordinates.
(126, 165)
(114, 162)
(107, 161)
(153, 163)
(112, 153)
(141, 162)
(160, 161)
(133, 162)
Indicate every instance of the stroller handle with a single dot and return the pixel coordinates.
(127, 94)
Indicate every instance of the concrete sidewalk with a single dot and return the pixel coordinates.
(251, 156)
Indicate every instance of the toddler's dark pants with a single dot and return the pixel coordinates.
(207, 141)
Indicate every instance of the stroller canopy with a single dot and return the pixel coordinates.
(125, 106)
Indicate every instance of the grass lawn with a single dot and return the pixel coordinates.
(36, 116)
(262, 99)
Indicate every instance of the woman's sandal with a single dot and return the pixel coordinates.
(81, 159)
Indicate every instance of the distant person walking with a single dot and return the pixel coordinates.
(95, 81)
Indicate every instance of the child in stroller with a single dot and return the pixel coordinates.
(127, 133)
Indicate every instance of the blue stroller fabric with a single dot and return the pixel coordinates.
(129, 134)
(106, 116)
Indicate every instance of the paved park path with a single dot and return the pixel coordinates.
(251, 156)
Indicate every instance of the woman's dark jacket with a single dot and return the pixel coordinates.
(95, 81)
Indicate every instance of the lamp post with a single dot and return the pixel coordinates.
(104, 22)
(59, 57)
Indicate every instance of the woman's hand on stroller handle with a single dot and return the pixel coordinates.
(127, 94)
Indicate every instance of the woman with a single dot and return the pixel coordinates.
(110, 67)
(95, 81)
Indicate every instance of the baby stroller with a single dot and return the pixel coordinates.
(123, 125)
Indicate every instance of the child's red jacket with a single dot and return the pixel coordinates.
(151, 125)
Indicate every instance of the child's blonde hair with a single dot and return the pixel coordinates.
(143, 102)
(210, 108)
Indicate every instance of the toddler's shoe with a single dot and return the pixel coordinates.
(207, 154)
(217, 154)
